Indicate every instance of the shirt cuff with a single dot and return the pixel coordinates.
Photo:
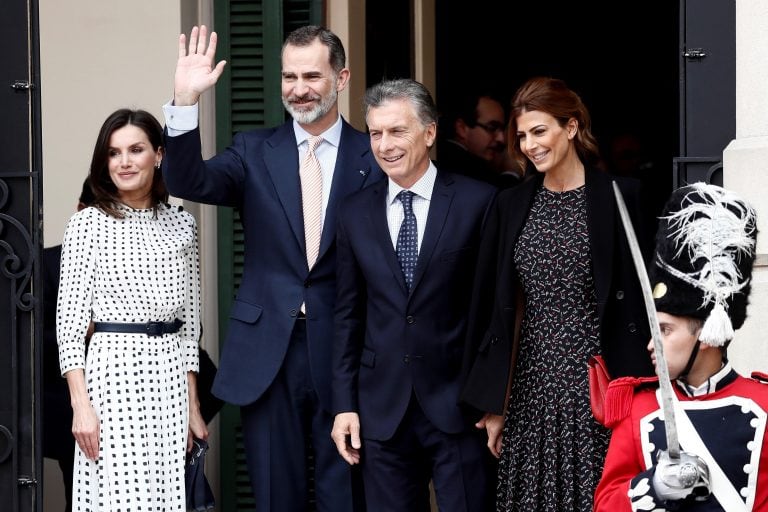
(180, 120)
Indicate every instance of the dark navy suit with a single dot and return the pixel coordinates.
(277, 366)
(397, 355)
(58, 441)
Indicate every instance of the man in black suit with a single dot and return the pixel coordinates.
(276, 361)
(406, 252)
(475, 143)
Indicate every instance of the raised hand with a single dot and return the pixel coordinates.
(195, 71)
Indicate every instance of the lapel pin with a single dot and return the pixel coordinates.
(363, 172)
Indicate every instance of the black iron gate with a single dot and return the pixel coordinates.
(20, 252)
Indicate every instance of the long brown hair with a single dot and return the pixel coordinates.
(552, 96)
(104, 190)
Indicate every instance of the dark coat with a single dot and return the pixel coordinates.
(391, 344)
(454, 158)
(259, 174)
(58, 442)
(624, 331)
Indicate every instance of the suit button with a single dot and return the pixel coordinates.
(632, 327)
(406, 359)
(307, 283)
(410, 319)
(620, 294)
(294, 312)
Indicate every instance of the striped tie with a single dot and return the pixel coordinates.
(312, 199)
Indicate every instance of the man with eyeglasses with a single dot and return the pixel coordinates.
(476, 144)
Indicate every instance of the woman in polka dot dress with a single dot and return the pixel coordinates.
(130, 263)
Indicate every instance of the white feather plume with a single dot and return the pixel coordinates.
(716, 226)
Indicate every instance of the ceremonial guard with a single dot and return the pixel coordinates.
(700, 275)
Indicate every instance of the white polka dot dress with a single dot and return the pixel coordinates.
(141, 268)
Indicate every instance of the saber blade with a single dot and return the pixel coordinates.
(667, 395)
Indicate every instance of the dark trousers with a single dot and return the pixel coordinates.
(396, 472)
(280, 427)
(67, 472)
(58, 442)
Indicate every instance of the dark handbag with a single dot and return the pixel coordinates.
(598, 386)
(199, 494)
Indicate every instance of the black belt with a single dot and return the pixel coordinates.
(148, 328)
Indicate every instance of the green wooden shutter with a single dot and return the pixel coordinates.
(251, 35)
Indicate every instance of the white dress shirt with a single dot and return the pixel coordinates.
(422, 197)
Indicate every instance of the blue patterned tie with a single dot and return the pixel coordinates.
(407, 239)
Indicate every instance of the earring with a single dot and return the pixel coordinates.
(157, 166)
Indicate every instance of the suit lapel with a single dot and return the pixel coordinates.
(600, 222)
(281, 158)
(350, 174)
(439, 206)
(377, 216)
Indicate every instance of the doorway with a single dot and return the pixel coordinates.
(626, 70)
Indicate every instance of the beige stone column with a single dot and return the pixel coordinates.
(745, 161)
(346, 18)
(424, 44)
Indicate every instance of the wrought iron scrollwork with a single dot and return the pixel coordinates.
(15, 261)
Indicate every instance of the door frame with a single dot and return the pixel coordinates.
(20, 257)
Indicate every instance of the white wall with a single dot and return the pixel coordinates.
(96, 57)
(744, 161)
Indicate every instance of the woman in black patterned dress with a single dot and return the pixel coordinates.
(555, 285)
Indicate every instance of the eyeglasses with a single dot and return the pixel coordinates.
(492, 128)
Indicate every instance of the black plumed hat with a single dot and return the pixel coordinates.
(705, 249)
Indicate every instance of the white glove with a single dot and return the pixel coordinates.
(679, 479)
